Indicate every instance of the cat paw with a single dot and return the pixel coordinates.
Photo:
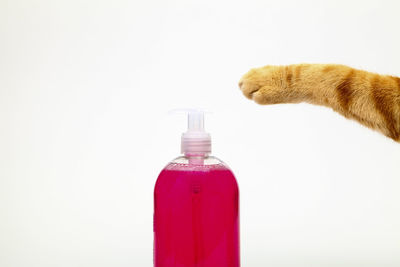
(248, 84)
(248, 88)
(268, 85)
(255, 83)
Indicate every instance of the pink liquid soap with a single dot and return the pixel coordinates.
(196, 219)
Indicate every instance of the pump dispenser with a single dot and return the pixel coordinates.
(196, 205)
(195, 140)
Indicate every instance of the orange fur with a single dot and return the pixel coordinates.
(371, 99)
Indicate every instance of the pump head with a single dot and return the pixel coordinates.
(195, 140)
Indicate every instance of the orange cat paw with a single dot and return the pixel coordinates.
(264, 85)
(253, 81)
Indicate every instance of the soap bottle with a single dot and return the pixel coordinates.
(196, 206)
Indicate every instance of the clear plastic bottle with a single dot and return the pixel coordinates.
(196, 207)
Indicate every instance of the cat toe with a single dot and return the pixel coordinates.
(248, 89)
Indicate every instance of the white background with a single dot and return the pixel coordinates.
(85, 87)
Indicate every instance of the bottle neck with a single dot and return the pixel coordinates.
(196, 158)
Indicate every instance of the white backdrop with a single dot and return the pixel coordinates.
(85, 87)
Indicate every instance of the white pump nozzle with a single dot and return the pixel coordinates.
(195, 120)
(195, 140)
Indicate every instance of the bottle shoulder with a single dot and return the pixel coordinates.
(201, 164)
(198, 161)
(208, 163)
